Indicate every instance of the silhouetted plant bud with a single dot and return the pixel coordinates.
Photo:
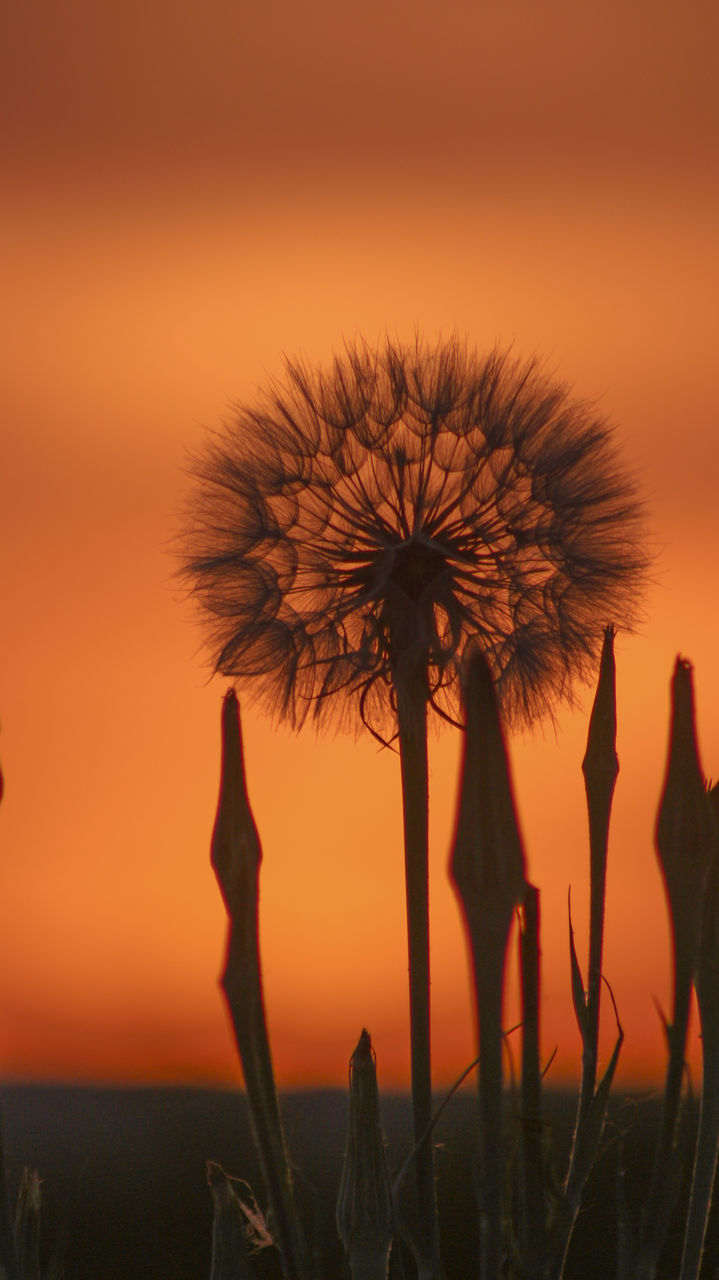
(487, 863)
(487, 867)
(236, 852)
(685, 829)
(364, 1204)
(685, 844)
(707, 976)
(600, 764)
(236, 855)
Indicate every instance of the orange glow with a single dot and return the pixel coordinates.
(256, 198)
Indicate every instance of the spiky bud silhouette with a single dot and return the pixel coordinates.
(361, 525)
(358, 528)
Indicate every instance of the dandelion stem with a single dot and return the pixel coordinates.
(412, 726)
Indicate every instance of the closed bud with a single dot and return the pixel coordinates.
(685, 828)
(487, 862)
(236, 853)
(364, 1204)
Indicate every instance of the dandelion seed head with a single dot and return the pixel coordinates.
(363, 525)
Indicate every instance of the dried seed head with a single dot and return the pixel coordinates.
(361, 522)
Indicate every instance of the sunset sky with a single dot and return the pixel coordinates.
(192, 190)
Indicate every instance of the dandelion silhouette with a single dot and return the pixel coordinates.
(360, 526)
(357, 529)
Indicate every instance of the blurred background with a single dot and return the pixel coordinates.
(190, 192)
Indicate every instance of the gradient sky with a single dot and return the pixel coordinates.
(192, 190)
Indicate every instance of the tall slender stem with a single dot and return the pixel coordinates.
(412, 726)
(600, 768)
(664, 1185)
(487, 867)
(532, 1223)
(236, 855)
(7, 1241)
(489, 958)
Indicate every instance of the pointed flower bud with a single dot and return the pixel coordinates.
(487, 858)
(235, 852)
(364, 1204)
(685, 829)
(600, 765)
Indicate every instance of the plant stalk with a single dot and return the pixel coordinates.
(236, 857)
(487, 868)
(707, 989)
(412, 727)
(600, 768)
(532, 1235)
(664, 1182)
(685, 840)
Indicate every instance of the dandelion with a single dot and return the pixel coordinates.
(355, 529)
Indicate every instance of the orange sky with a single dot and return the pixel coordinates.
(193, 191)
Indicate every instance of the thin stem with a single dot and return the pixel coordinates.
(8, 1259)
(412, 726)
(489, 963)
(702, 1183)
(487, 867)
(236, 856)
(705, 981)
(664, 1183)
(532, 1236)
(242, 986)
(600, 767)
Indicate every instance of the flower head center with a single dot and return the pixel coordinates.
(413, 567)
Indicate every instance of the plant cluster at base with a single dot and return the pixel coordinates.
(526, 1222)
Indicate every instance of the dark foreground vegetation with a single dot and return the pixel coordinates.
(125, 1194)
